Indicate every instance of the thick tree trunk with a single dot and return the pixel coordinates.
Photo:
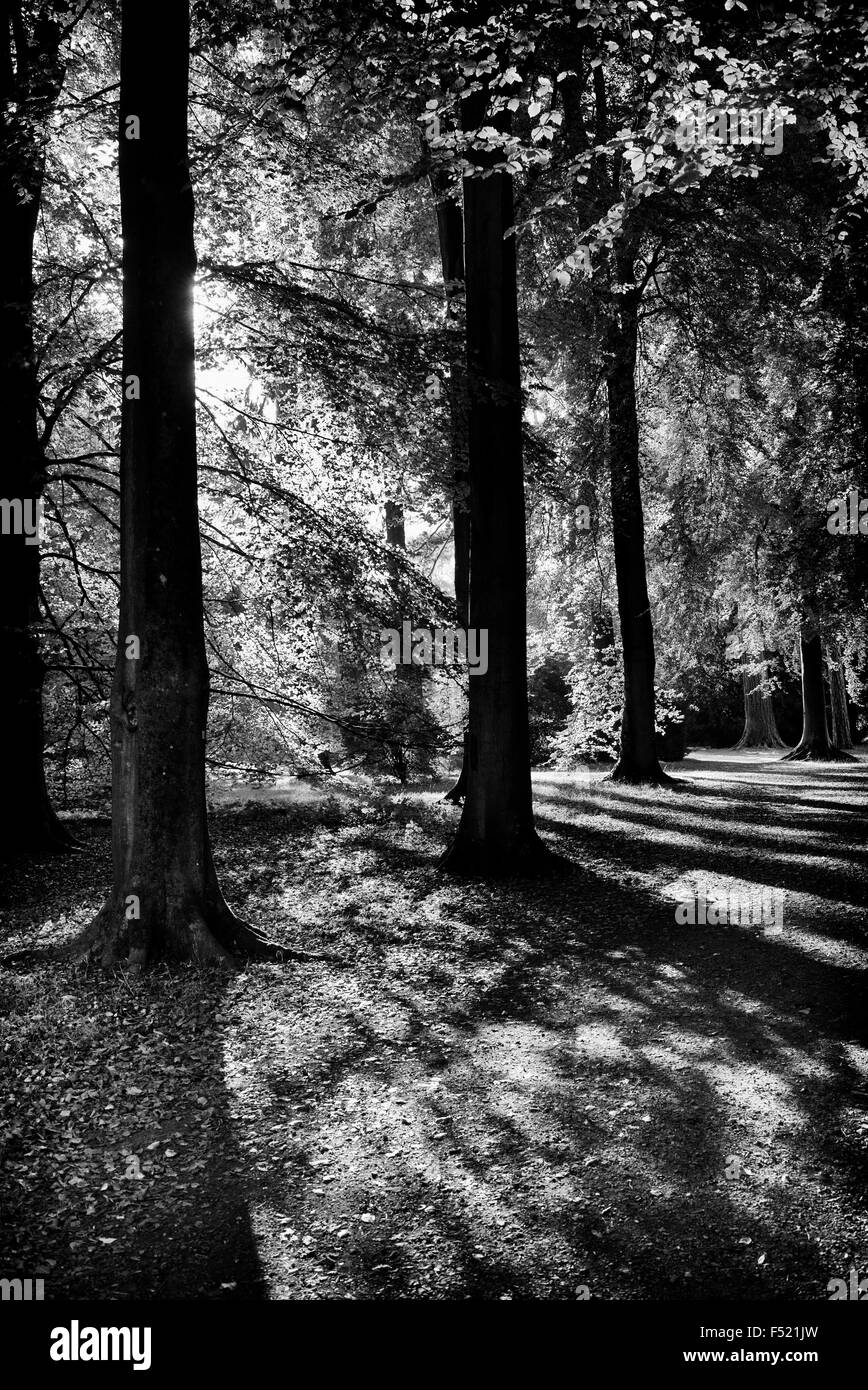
(814, 745)
(30, 79)
(496, 832)
(450, 231)
(842, 736)
(165, 900)
(760, 725)
(638, 760)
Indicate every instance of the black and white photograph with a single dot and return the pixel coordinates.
(433, 681)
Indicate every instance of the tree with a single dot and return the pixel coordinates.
(31, 77)
(406, 711)
(496, 832)
(165, 899)
(450, 237)
(612, 202)
(814, 744)
(760, 725)
(842, 736)
(637, 760)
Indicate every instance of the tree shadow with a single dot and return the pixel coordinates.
(122, 1176)
(536, 1088)
(512, 1090)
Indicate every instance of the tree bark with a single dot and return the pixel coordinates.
(814, 745)
(496, 833)
(842, 735)
(638, 761)
(760, 725)
(30, 80)
(450, 232)
(410, 702)
(165, 900)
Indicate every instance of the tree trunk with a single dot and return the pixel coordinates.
(760, 725)
(842, 736)
(450, 231)
(410, 702)
(638, 760)
(814, 745)
(30, 80)
(496, 832)
(461, 539)
(165, 900)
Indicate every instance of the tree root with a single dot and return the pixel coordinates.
(472, 859)
(218, 938)
(49, 841)
(633, 777)
(458, 791)
(817, 753)
(79, 946)
(248, 942)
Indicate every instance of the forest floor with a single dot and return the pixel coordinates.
(543, 1089)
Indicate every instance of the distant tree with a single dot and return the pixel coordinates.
(31, 78)
(760, 726)
(450, 238)
(839, 711)
(814, 744)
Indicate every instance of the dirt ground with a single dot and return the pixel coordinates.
(545, 1089)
